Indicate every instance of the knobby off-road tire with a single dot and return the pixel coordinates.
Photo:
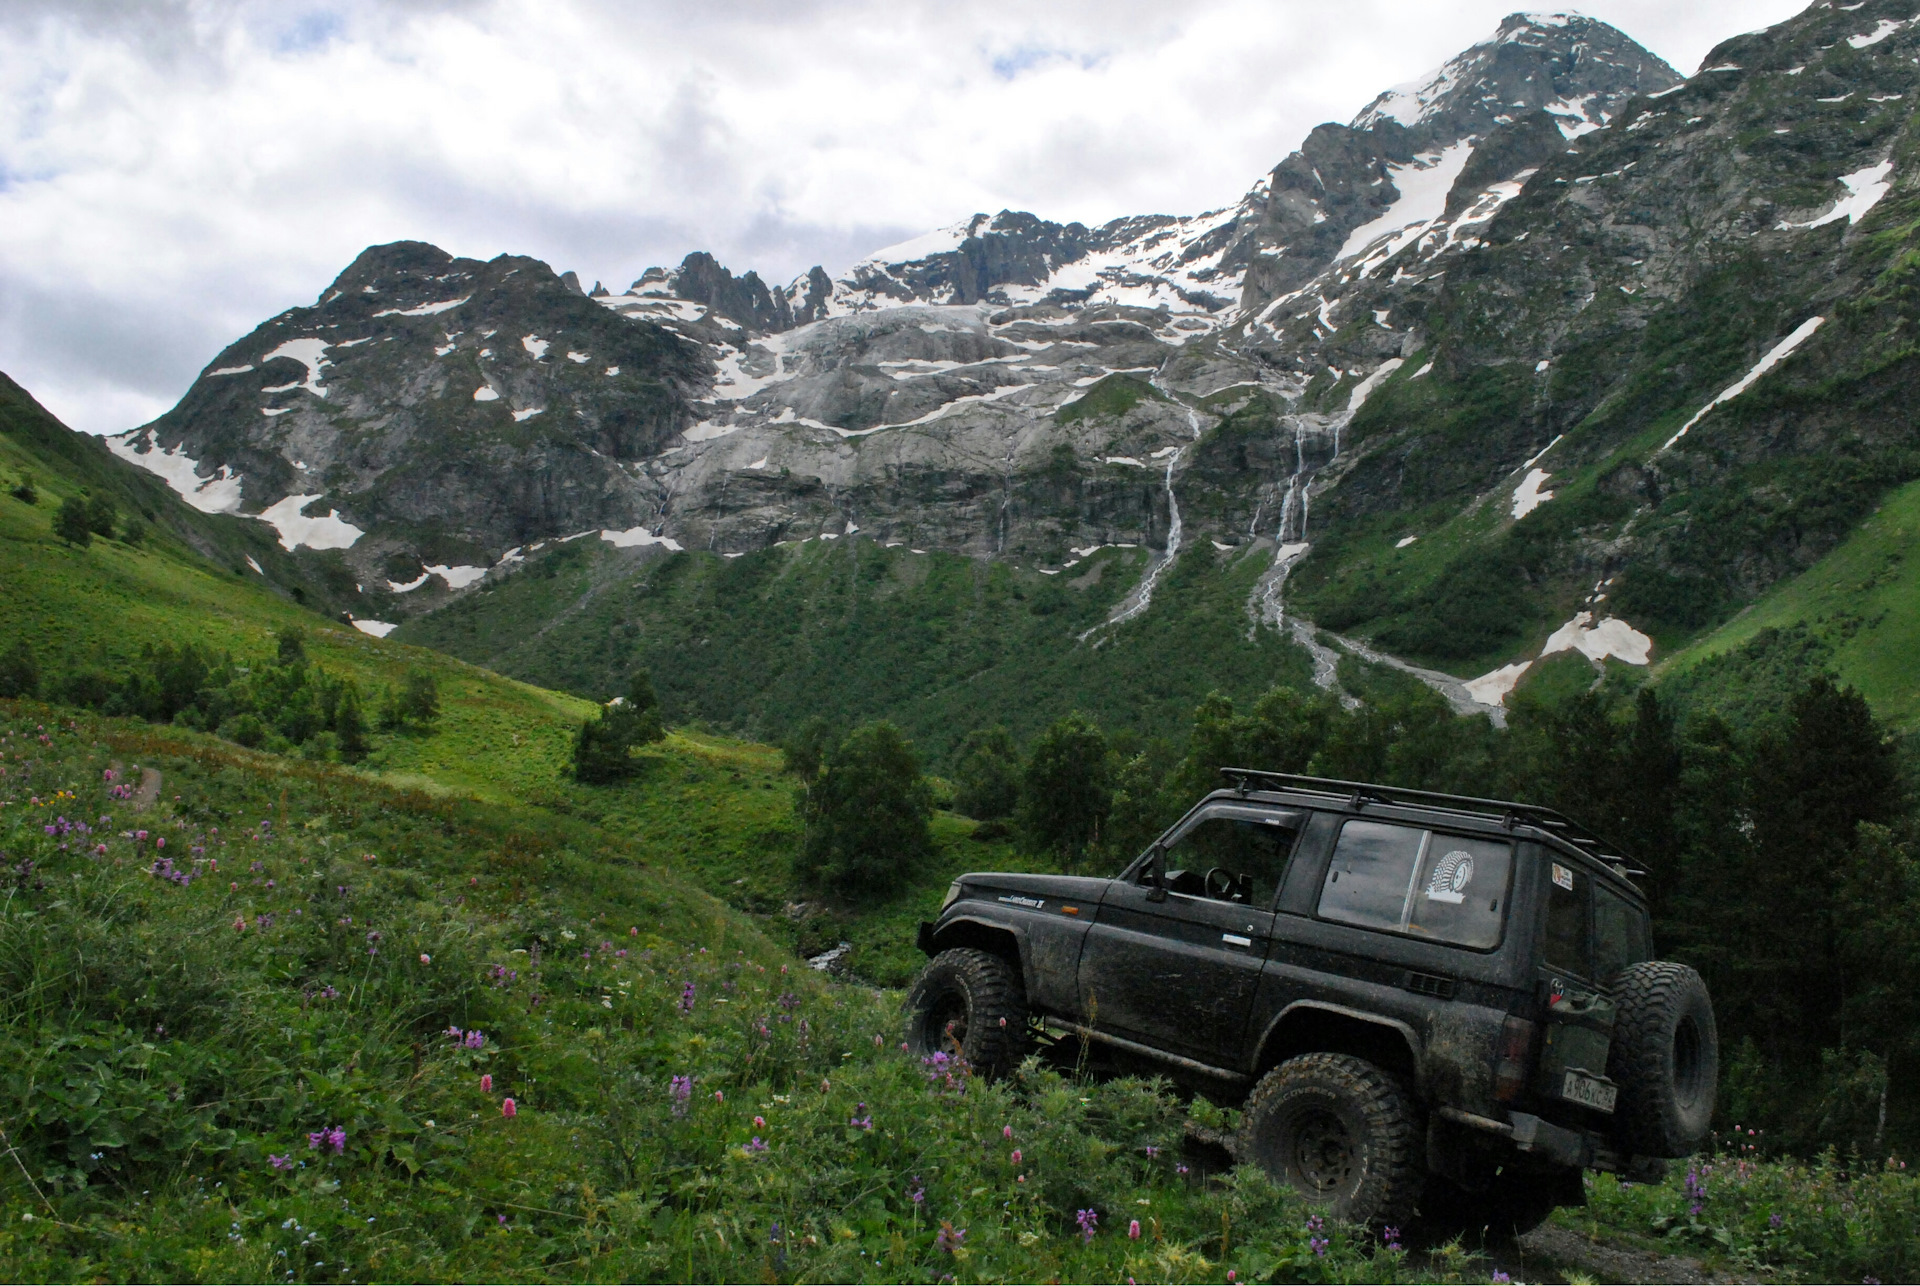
(1665, 1058)
(1339, 1131)
(972, 1003)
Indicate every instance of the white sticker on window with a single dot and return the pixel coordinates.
(1563, 876)
(1451, 875)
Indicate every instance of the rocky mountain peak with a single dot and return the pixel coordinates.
(1576, 68)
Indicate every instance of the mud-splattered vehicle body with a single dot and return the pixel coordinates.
(1420, 1001)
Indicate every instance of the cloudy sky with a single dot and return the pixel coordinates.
(172, 172)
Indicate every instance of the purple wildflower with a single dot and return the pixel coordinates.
(474, 1040)
(681, 1090)
(1088, 1220)
(950, 1237)
(280, 1162)
(861, 1120)
(916, 1190)
(755, 1145)
(1318, 1245)
(686, 997)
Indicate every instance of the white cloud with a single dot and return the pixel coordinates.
(172, 172)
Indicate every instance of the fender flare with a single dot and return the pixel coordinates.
(1416, 1050)
(1010, 926)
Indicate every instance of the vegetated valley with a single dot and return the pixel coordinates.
(1474, 451)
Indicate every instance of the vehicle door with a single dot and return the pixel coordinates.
(1385, 915)
(1174, 956)
(1579, 1014)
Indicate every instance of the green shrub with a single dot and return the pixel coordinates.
(866, 815)
(71, 524)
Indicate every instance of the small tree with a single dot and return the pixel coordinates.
(420, 699)
(805, 748)
(25, 492)
(19, 671)
(135, 534)
(1066, 790)
(101, 516)
(642, 710)
(987, 775)
(70, 523)
(350, 724)
(866, 815)
(292, 643)
(602, 749)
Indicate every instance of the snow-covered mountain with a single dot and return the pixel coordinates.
(1419, 341)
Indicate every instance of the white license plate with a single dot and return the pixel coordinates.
(1589, 1092)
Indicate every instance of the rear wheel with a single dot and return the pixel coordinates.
(971, 1004)
(1339, 1131)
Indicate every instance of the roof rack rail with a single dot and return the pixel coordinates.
(1507, 812)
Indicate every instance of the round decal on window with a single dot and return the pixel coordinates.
(1451, 875)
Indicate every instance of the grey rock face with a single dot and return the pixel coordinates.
(1008, 386)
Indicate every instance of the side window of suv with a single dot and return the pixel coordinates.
(1250, 848)
(1405, 879)
(1620, 936)
(1568, 944)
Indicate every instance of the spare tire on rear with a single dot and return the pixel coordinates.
(1665, 1058)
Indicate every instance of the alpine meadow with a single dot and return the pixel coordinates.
(493, 779)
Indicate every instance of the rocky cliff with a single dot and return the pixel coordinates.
(1426, 370)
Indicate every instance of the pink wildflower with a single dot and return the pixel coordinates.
(507, 1108)
(486, 1082)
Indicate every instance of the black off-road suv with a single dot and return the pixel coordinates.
(1423, 1003)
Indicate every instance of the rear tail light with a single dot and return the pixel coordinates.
(1510, 1071)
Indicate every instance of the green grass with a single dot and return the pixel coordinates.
(1861, 602)
(170, 1047)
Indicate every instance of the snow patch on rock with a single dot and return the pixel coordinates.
(1611, 637)
(457, 577)
(635, 536)
(1493, 687)
(218, 493)
(297, 528)
(310, 353)
(379, 629)
(1528, 496)
(1774, 356)
(424, 310)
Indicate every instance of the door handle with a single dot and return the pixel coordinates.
(1236, 939)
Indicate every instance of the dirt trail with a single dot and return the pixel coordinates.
(149, 787)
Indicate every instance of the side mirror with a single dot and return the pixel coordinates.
(1154, 876)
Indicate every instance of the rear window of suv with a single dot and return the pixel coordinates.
(1404, 879)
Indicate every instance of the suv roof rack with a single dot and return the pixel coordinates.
(1507, 812)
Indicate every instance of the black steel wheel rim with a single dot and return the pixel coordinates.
(1321, 1152)
(946, 1024)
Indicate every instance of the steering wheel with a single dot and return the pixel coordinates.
(1221, 884)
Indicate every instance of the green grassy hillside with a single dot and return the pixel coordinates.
(1855, 613)
(852, 630)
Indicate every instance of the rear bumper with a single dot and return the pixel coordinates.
(1559, 1145)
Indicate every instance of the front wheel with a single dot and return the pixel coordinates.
(969, 1003)
(1340, 1132)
